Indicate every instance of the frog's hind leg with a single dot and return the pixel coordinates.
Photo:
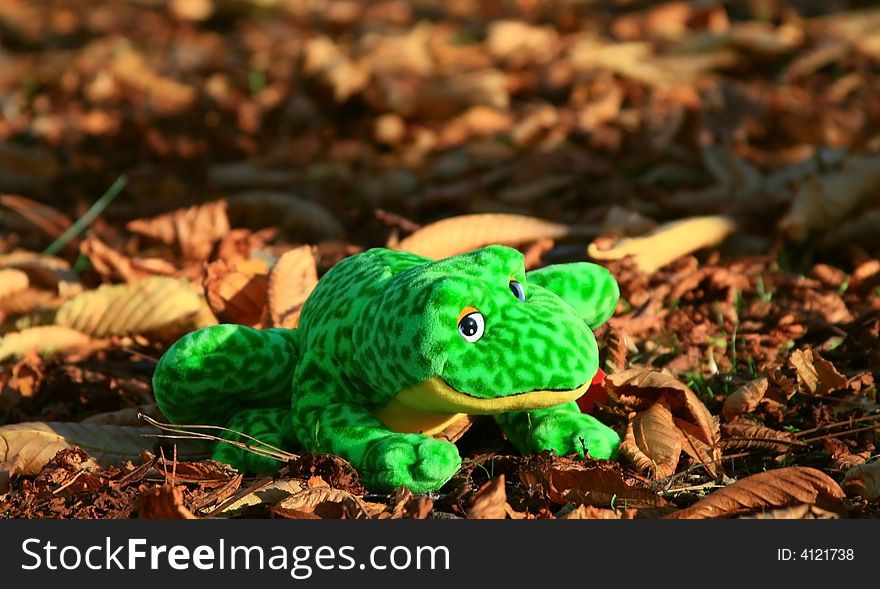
(270, 426)
(229, 375)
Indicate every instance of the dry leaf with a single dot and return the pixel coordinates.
(490, 500)
(112, 264)
(464, 233)
(164, 502)
(12, 281)
(815, 374)
(237, 292)
(592, 512)
(598, 483)
(745, 398)
(668, 242)
(159, 305)
(261, 493)
(782, 487)
(750, 436)
(638, 388)
(655, 435)
(323, 503)
(863, 480)
(45, 339)
(35, 443)
(194, 230)
(291, 281)
(822, 203)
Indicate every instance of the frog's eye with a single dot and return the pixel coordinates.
(517, 289)
(471, 324)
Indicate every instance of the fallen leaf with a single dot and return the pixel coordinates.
(592, 512)
(291, 281)
(52, 221)
(658, 441)
(237, 292)
(863, 480)
(163, 502)
(668, 242)
(295, 217)
(599, 483)
(112, 264)
(12, 281)
(45, 339)
(456, 235)
(262, 492)
(35, 443)
(155, 305)
(193, 230)
(745, 398)
(815, 374)
(751, 436)
(322, 503)
(490, 500)
(771, 489)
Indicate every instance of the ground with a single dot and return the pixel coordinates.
(165, 166)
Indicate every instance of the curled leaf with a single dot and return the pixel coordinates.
(815, 374)
(193, 230)
(668, 242)
(653, 442)
(237, 292)
(863, 480)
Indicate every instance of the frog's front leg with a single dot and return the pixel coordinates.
(564, 429)
(385, 459)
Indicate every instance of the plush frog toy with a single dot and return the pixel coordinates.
(392, 348)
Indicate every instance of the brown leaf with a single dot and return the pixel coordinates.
(745, 398)
(12, 281)
(237, 292)
(322, 503)
(781, 487)
(815, 374)
(598, 483)
(490, 500)
(591, 512)
(863, 480)
(456, 235)
(750, 436)
(655, 435)
(163, 502)
(193, 231)
(638, 388)
(160, 305)
(291, 281)
(112, 264)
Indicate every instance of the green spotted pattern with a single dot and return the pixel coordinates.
(383, 321)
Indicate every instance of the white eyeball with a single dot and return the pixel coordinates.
(472, 326)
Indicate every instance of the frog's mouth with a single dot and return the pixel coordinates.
(426, 406)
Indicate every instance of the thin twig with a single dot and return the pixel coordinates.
(264, 449)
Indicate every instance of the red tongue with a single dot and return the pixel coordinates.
(595, 394)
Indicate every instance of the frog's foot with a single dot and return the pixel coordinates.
(414, 461)
(574, 433)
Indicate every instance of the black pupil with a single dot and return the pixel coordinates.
(468, 326)
(515, 289)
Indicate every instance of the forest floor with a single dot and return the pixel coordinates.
(166, 166)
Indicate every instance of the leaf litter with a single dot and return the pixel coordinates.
(719, 160)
